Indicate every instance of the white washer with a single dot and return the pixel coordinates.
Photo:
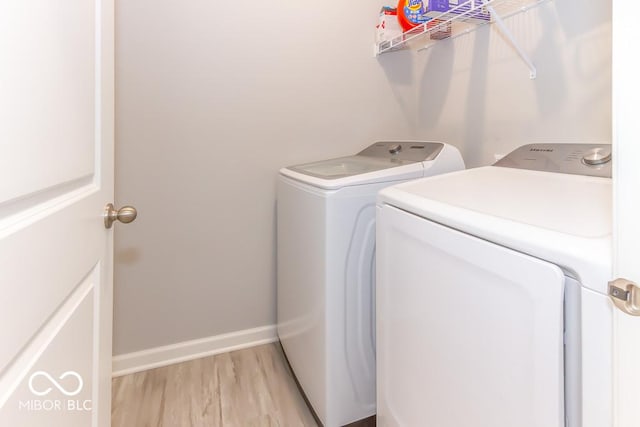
(326, 269)
(492, 307)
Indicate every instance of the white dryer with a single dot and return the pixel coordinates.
(326, 269)
(492, 300)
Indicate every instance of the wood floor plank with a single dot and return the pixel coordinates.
(250, 387)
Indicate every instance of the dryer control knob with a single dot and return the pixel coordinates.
(597, 156)
(395, 149)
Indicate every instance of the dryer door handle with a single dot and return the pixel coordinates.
(625, 295)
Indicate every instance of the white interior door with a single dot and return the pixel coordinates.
(626, 182)
(56, 175)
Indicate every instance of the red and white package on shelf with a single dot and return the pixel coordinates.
(388, 26)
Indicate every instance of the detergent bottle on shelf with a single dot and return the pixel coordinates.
(412, 13)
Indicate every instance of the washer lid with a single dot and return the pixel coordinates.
(346, 166)
(378, 156)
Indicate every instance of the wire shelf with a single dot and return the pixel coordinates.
(459, 20)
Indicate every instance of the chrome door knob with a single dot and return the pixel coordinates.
(125, 215)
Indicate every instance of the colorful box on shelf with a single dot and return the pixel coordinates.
(463, 10)
(437, 6)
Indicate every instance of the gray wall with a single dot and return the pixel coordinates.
(207, 111)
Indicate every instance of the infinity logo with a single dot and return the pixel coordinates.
(55, 383)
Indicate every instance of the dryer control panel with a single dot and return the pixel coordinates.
(576, 159)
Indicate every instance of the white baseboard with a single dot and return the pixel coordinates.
(169, 354)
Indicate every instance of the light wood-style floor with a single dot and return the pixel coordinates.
(251, 387)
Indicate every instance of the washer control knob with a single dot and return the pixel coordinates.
(597, 156)
(395, 149)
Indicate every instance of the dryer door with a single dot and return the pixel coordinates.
(469, 333)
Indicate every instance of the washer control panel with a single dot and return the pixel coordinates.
(408, 151)
(576, 159)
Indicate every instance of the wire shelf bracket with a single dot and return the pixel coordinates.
(509, 35)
